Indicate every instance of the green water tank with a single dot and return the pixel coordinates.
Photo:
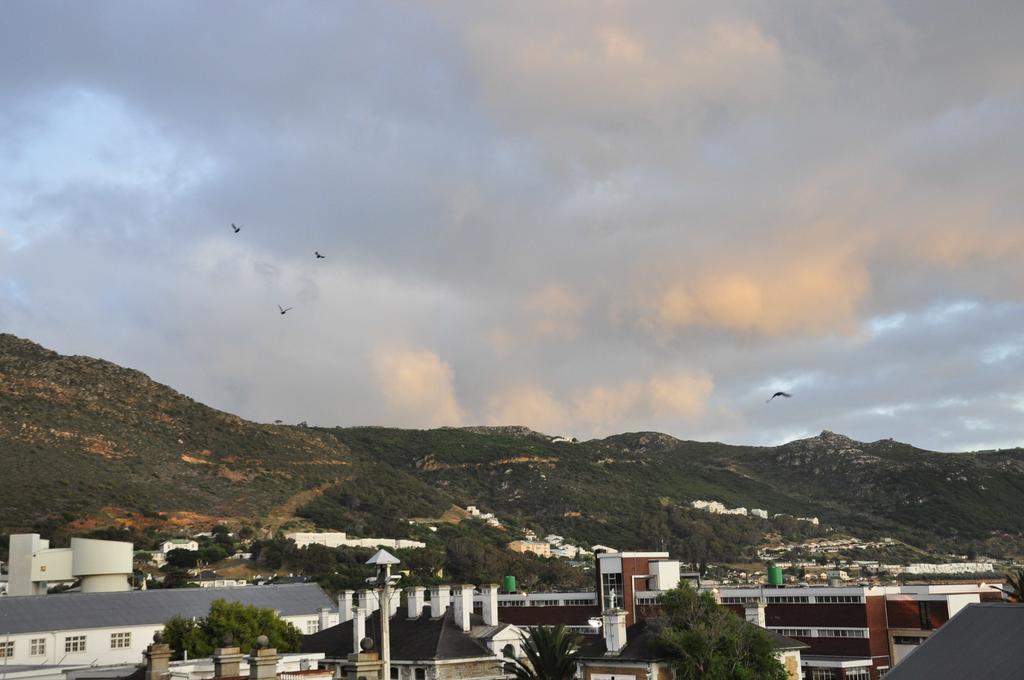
(508, 584)
(774, 575)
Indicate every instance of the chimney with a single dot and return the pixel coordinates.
(158, 658)
(367, 601)
(325, 618)
(345, 605)
(440, 598)
(415, 601)
(614, 630)
(263, 660)
(227, 660)
(463, 606)
(490, 597)
(753, 611)
(358, 628)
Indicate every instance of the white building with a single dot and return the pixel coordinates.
(115, 628)
(337, 539)
(758, 512)
(178, 544)
(100, 566)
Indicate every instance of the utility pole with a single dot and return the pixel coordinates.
(383, 561)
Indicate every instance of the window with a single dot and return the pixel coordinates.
(647, 599)
(926, 615)
(907, 640)
(610, 582)
(312, 626)
(841, 633)
(838, 599)
(120, 640)
(862, 673)
(394, 673)
(74, 643)
(824, 674)
(6, 649)
(508, 651)
(38, 647)
(544, 603)
(421, 674)
(882, 670)
(787, 599)
(732, 599)
(512, 603)
(589, 602)
(793, 632)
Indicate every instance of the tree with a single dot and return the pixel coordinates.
(707, 641)
(243, 622)
(1015, 579)
(550, 654)
(183, 559)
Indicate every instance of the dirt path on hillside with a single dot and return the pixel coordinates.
(286, 511)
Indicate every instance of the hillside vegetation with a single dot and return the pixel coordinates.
(86, 444)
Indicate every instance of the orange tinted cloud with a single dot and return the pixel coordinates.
(417, 385)
(528, 405)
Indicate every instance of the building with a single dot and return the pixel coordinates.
(632, 653)
(178, 544)
(114, 628)
(632, 580)
(211, 579)
(100, 566)
(539, 548)
(338, 539)
(436, 639)
(857, 632)
(982, 642)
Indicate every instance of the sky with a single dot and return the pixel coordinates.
(583, 217)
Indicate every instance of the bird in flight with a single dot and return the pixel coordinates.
(236, 228)
(779, 394)
(284, 310)
(318, 255)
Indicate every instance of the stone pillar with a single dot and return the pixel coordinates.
(263, 661)
(414, 601)
(158, 659)
(227, 662)
(462, 606)
(753, 611)
(614, 630)
(358, 627)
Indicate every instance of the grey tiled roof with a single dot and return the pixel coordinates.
(982, 642)
(69, 611)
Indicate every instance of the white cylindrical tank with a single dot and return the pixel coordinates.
(103, 566)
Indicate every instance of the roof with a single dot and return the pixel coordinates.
(420, 639)
(981, 642)
(70, 611)
(642, 643)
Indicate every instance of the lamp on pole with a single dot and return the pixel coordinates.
(383, 560)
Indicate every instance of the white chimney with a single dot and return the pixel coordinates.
(358, 628)
(325, 618)
(440, 598)
(415, 601)
(614, 630)
(490, 598)
(345, 605)
(368, 601)
(463, 606)
(753, 611)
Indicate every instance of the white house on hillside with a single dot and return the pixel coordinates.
(178, 544)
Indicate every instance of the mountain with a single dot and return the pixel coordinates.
(86, 444)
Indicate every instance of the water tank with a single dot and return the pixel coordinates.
(508, 584)
(774, 575)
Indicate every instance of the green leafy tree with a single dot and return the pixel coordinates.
(183, 559)
(550, 653)
(243, 622)
(708, 642)
(1015, 579)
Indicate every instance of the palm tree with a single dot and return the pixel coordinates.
(1015, 580)
(550, 654)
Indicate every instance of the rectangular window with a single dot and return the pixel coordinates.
(589, 602)
(838, 599)
(862, 673)
(544, 603)
(120, 640)
(824, 674)
(512, 603)
(793, 632)
(926, 615)
(421, 674)
(882, 670)
(907, 640)
(841, 633)
(394, 673)
(732, 599)
(787, 599)
(38, 647)
(312, 626)
(612, 583)
(74, 643)
(6, 649)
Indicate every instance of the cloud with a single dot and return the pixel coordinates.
(680, 396)
(417, 386)
(528, 405)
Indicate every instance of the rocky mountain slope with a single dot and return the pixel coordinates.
(86, 444)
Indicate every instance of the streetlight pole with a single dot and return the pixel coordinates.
(383, 561)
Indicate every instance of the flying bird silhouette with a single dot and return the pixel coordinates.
(284, 310)
(779, 394)
(318, 255)
(237, 229)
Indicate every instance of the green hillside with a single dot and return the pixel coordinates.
(85, 444)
